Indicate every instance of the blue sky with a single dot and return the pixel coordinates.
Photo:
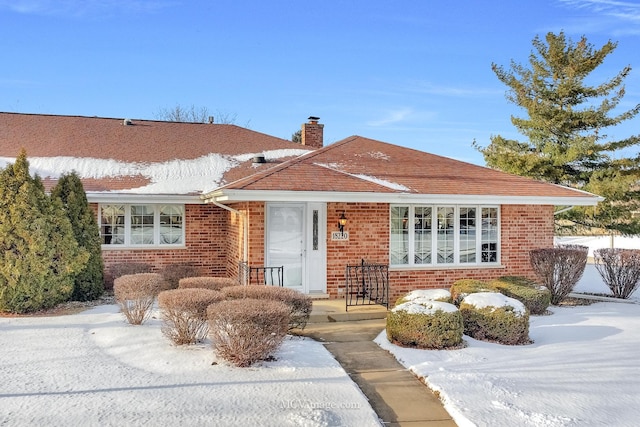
(413, 73)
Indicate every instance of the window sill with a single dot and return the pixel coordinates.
(446, 267)
(141, 247)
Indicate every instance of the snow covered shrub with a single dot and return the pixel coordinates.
(443, 295)
(619, 269)
(559, 269)
(172, 273)
(184, 313)
(135, 294)
(462, 288)
(491, 316)
(245, 331)
(425, 324)
(535, 297)
(299, 304)
(213, 283)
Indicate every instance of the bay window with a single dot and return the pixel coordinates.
(443, 235)
(141, 224)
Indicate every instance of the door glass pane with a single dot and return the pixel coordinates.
(285, 242)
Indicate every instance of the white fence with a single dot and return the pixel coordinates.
(599, 242)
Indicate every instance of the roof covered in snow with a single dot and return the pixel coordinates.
(139, 156)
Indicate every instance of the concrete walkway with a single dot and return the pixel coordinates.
(397, 396)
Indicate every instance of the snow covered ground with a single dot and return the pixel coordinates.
(583, 369)
(93, 369)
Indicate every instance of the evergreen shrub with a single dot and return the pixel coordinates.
(425, 324)
(299, 304)
(39, 256)
(89, 282)
(535, 297)
(443, 295)
(245, 331)
(490, 316)
(184, 313)
(463, 287)
(135, 294)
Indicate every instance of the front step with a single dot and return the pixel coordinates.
(335, 311)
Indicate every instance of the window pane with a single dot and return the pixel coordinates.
(112, 224)
(422, 226)
(467, 235)
(399, 245)
(489, 242)
(142, 225)
(445, 235)
(171, 225)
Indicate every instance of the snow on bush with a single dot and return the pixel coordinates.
(462, 288)
(299, 304)
(184, 313)
(491, 316)
(212, 283)
(135, 294)
(245, 331)
(426, 295)
(536, 298)
(425, 324)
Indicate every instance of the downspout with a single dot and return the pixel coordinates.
(563, 210)
(245, 226)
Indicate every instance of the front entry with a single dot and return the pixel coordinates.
(296, 240)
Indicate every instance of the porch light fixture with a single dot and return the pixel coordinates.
(342, 221)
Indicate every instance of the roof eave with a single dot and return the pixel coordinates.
(229, 196)
(113, 197)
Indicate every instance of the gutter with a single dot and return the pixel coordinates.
(245, 226)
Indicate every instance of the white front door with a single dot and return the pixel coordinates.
(295, 239)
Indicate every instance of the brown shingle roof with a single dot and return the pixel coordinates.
(358, 164)
(141, 142)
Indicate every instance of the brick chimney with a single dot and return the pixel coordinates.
(312, 133)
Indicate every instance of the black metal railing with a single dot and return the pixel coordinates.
(251, 275)
(367, 284)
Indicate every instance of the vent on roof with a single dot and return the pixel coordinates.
(210, 120)
(127, 122)
(259, 159)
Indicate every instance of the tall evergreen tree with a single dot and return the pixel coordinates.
(567, 126)
(40, 256)
(89, 283)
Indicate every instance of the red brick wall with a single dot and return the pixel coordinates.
(215, 243)
(206, 247)
(523, 227)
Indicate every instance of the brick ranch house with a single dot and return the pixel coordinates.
(214, 195)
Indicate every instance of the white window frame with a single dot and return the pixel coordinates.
(456, 235)
(156, 227)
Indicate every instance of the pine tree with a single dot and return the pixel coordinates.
(566, 130)
(89, 283)
(40, 256)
